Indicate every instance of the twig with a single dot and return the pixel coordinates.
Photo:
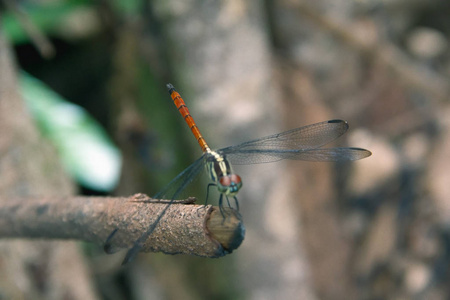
(187, 229)
(42, 43)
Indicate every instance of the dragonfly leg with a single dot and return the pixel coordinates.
(207, 191)
(207, 195)
(221, 206)
(228, 201)
(237, 203)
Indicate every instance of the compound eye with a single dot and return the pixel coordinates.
(225, 181)
(235, 178)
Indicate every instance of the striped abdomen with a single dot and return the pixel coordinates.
(184, 111)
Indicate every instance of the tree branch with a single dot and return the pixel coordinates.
(184, 229)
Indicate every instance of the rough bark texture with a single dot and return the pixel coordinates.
(184, 229)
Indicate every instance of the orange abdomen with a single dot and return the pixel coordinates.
(184, 111)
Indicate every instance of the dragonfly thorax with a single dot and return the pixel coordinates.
(221, 173)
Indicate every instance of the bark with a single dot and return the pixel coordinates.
(184, 229)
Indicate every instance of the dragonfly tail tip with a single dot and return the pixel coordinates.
(170, 87)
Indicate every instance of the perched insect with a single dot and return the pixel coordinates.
(303, 143)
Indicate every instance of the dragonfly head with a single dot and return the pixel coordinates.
(229, 184)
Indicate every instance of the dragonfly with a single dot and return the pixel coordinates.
(303, 143)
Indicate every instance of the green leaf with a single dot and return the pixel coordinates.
(86, 150)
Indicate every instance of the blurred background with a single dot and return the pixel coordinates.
(93, 76)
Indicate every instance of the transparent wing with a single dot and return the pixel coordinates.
(170, 191)
(181, 181)
(245, 157)
(299, 144)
